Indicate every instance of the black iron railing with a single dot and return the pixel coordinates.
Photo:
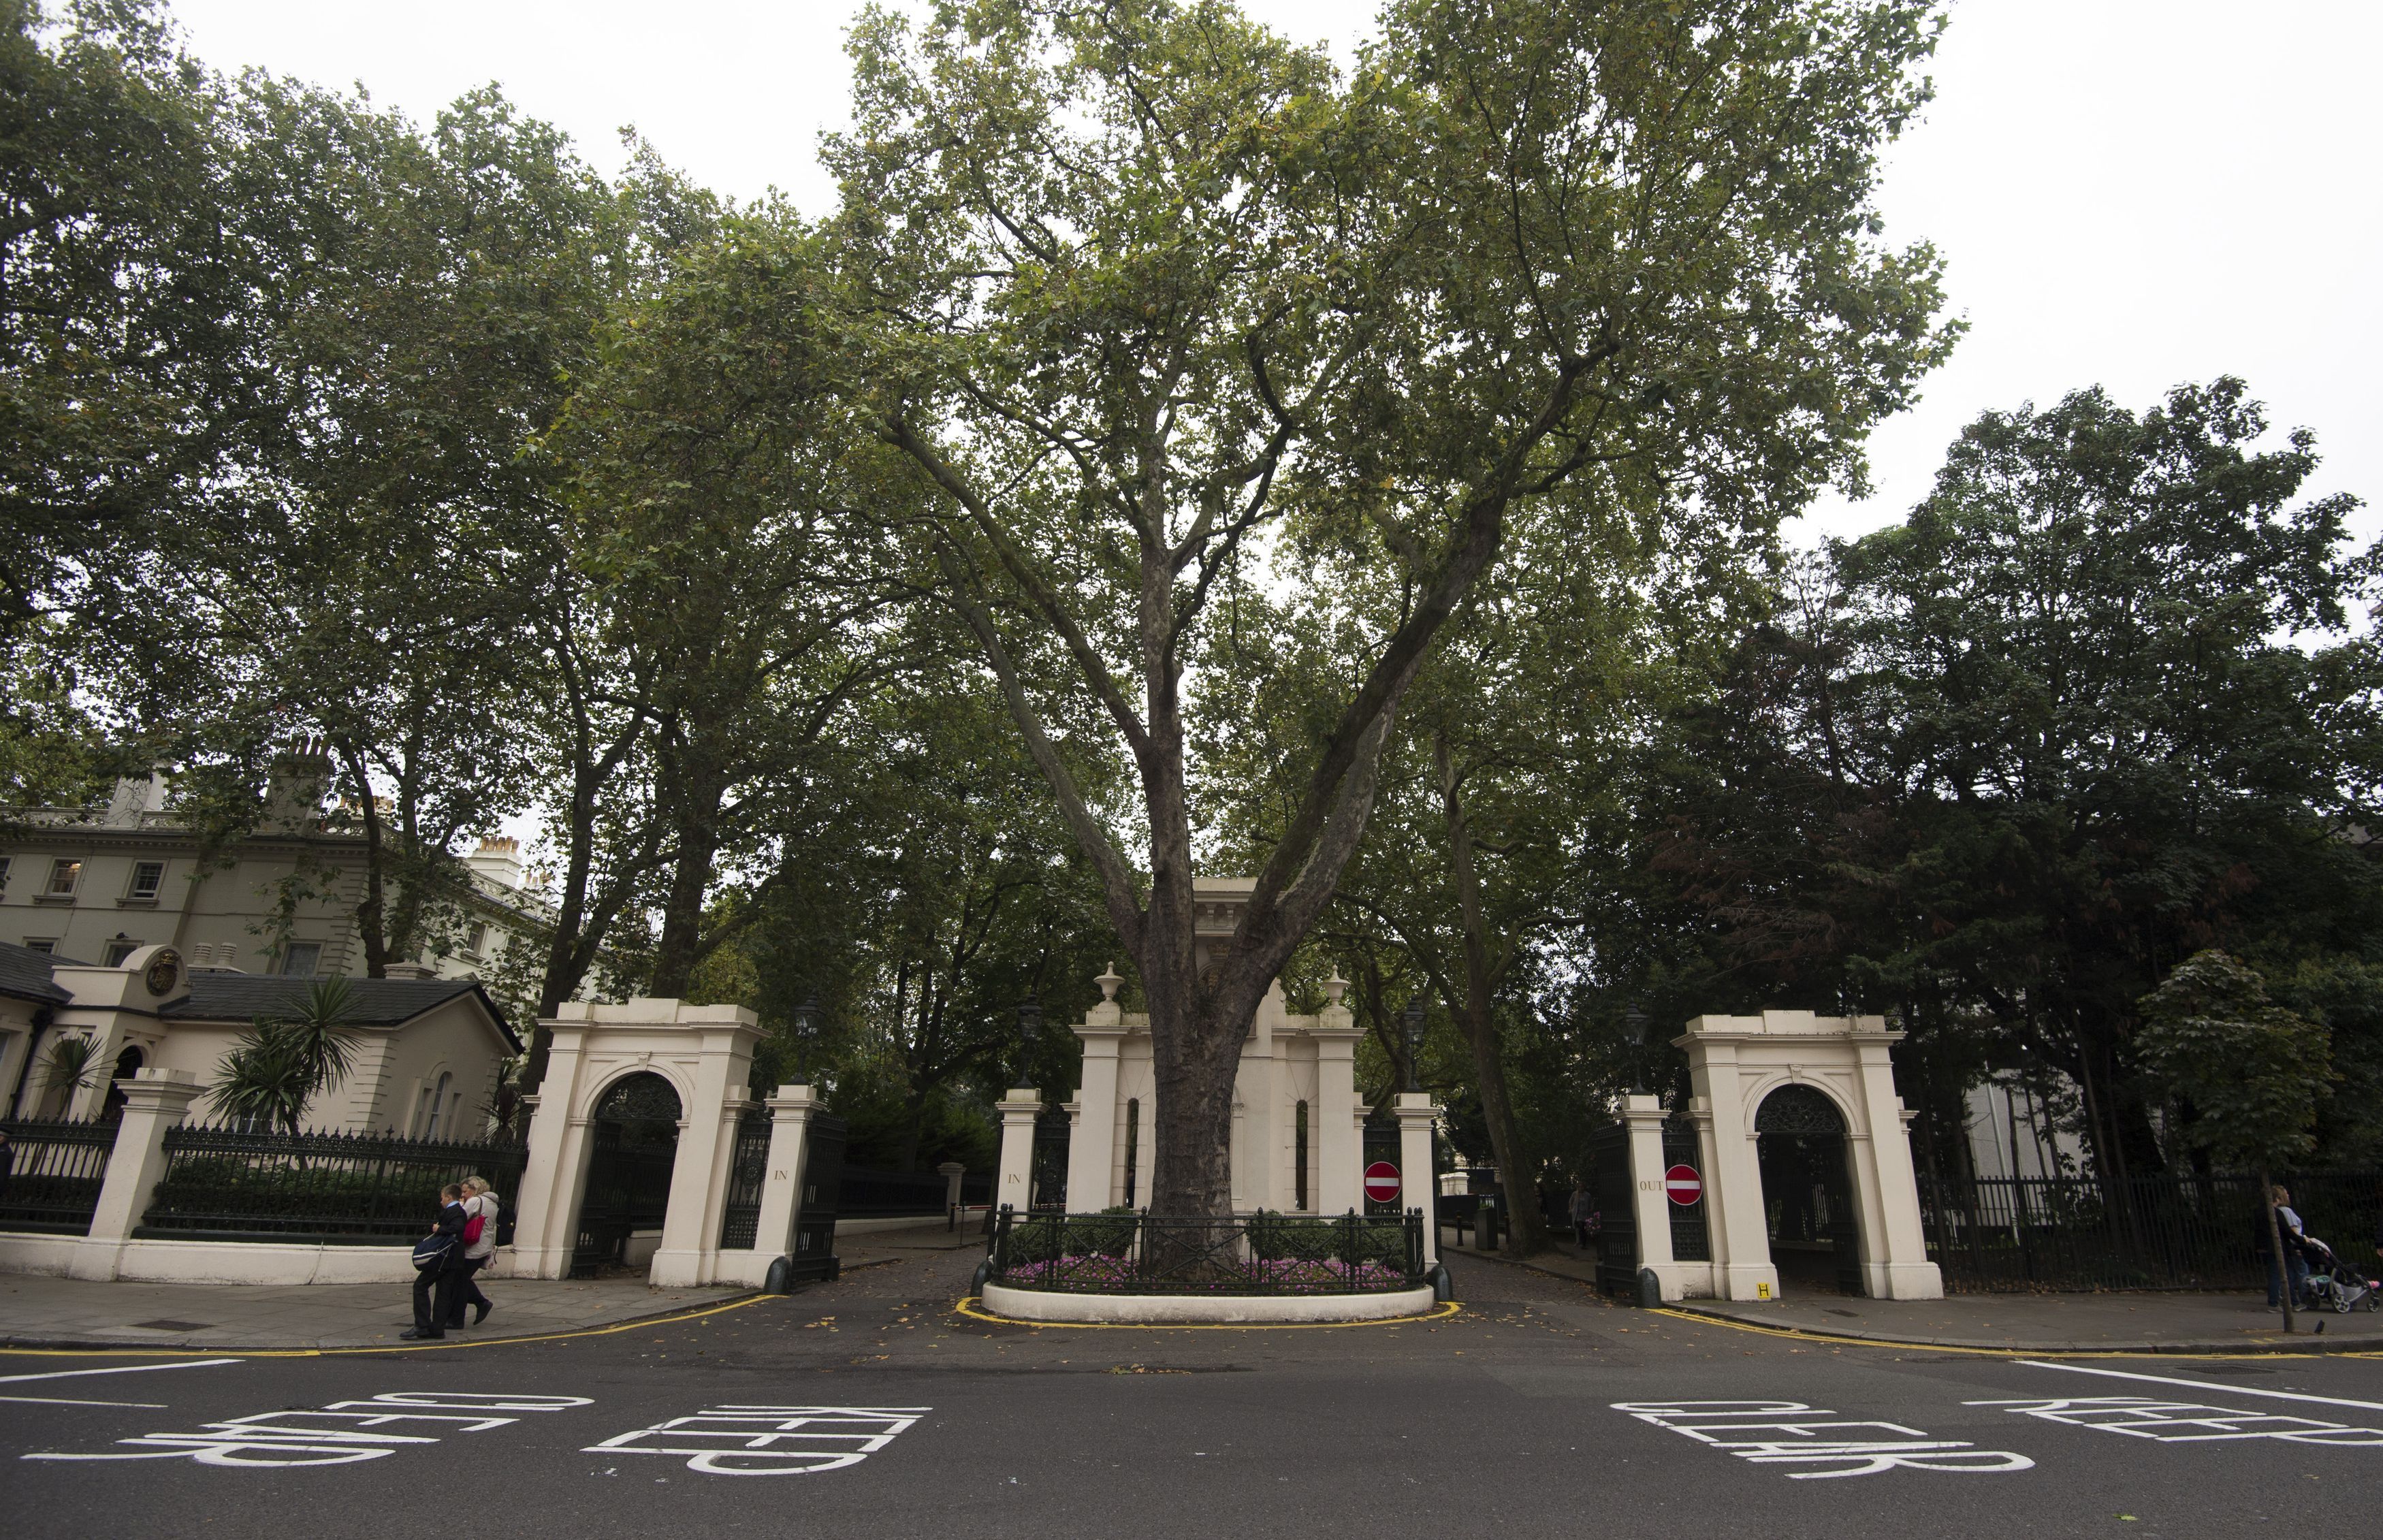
(232, 1184)
(55, 1170)
(748, 1170)
(2014, 1235)
(1264, 1253)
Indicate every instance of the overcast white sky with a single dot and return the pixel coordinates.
(2133, 193)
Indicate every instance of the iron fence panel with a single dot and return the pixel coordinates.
(236, 1184)
(748, 1170)
(55, 1170)
(2186, 1231)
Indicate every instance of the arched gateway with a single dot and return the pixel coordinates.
(627, 1192)
(1804, 1165)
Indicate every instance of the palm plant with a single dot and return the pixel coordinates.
(281, 1063)
(74, 1063)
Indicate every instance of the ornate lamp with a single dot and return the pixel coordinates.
(1029, 1032)
(806, 1023)
(1634, 1029)
(1412, 1029)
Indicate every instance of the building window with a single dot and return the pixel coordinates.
(474, 939)
(1299, 1157)
(147, 877)
(117, 950)
(1132, 1142)
(45, 945)
(300, 959)
(4, 872)
(437, 1105)
(64, 875)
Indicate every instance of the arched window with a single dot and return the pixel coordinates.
(437, 1105)
(1299, 1156)
(1132, 1143)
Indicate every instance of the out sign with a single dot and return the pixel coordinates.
(1381, 1182)
(1683, 1186)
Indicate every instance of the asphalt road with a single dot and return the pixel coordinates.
(869, 1409)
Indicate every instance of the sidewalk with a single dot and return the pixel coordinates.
(2137, 1323)
(68, 1313)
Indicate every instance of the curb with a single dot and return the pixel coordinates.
(2198, 1347)
(188, 1344)
(2310, 1343)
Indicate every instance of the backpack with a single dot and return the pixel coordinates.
(430, 1253)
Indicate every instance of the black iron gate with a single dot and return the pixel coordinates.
(1690, 1239)
(1049, 1178)
(1382, 1144)
(822, 1182)
(749, 1172)
(635, 1133)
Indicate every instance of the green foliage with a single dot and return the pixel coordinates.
(2252, 1071)
(1275, 1237)
(73, 1063)
(281, 1063)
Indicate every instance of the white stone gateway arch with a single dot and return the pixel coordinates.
(705, 1052)
(1736, 1063)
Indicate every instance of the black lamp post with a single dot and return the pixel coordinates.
(806, 1022)
(1634, 1027)
(1413, 1024)
(1030, 1031)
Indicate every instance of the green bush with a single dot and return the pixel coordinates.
(1104, 1237)
(1283, 1237)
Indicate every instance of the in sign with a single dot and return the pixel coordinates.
(1683, 1186)
(1381, 1182)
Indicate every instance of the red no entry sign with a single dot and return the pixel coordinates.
(1683, 1186)
(1381, 1182)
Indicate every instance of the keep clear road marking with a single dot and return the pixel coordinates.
(2197, 1384)
(125, 1369)
(339, 1433)
(768, 1440)
(1802, 1439)
(2185, 1422)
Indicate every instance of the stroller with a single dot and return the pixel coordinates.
(2333, 1283)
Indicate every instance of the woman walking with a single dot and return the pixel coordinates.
(479, 1245)
(431, 1314)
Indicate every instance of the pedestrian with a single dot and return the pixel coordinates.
(1584, 1212)
(430, 1313)
(2288, 1223)
(479, 1245)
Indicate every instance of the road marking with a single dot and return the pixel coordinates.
(768, 1440)
(342, 1433)
(121, 1369)
(2197, 1384)
(1706, 1421)
(968, 1305)
(2186, 1422)
(60, 1400)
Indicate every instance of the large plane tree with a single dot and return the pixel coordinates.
(1146, 288)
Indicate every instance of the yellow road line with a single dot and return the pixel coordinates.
(1797, 1333)
(402, 1347)
(963, 1306)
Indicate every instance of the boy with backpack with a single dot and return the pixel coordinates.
(438, 1260)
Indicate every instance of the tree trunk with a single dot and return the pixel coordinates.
(2276, 1244)
(370, 911)
(1527, 1230)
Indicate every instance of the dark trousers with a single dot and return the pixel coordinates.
(2300, 1272)
(430, 1316)
(468, 1290)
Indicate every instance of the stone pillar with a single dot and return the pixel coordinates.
(1014, 1187)
(1650, 1212)
(1338, 1119)
(1091, 1144)
(781, 1189)
(951, 1172)
(1895, 1248)
(1417, 1185)
(553, 1173)
(1735, 1222)
(698, 1191)
(155, 1101)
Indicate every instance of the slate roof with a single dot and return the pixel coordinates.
(25, 975)
(371, 1002)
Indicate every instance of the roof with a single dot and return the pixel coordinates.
(223, 996)
(25, 975)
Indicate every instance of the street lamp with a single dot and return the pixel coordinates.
(1634, 1027)
(1413, 1024)
(1030, 1031)
(806, 1022)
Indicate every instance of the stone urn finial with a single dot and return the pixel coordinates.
(1109, 980)
(1336, 986)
